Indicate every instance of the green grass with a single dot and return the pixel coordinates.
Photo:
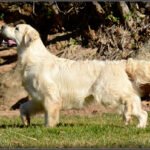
(105, 130)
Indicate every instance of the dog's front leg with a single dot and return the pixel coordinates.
(52, 110)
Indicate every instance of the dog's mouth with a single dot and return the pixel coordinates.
(8, 42)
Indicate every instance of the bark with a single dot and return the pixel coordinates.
(125, 13)
(99, 8)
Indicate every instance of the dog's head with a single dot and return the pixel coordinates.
(21, 34)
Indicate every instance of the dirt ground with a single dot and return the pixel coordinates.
(89, 110)
(86, 111)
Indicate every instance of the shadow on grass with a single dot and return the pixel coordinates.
(4, 126)
(70, 124)
(87, 124)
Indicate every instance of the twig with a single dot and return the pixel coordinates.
(146, 26)
(33, 9)
(64, 12)
(31, 138)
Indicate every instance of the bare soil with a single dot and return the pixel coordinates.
(86, 111)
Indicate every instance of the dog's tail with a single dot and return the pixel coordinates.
(138, 71)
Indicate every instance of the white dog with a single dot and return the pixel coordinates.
(56, 83)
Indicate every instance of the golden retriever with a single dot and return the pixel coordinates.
(57, 83)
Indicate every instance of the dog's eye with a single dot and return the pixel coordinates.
(17, 29)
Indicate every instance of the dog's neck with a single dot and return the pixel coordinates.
(32, 53)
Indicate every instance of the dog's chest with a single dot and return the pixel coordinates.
(31, 84)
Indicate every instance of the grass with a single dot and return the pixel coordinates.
(105, 130)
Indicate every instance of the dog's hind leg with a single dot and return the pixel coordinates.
(133, 108)
(139, 113)
(27, 109)
(24, 113)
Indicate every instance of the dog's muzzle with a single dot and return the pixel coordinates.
(6, 41)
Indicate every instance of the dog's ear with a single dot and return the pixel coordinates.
(30, 36)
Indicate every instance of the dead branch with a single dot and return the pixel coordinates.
(99, 8)
(55, 9)
(126, 14)
(10, 52)
(6, 68)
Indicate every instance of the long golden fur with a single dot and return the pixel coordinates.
(57, 83)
